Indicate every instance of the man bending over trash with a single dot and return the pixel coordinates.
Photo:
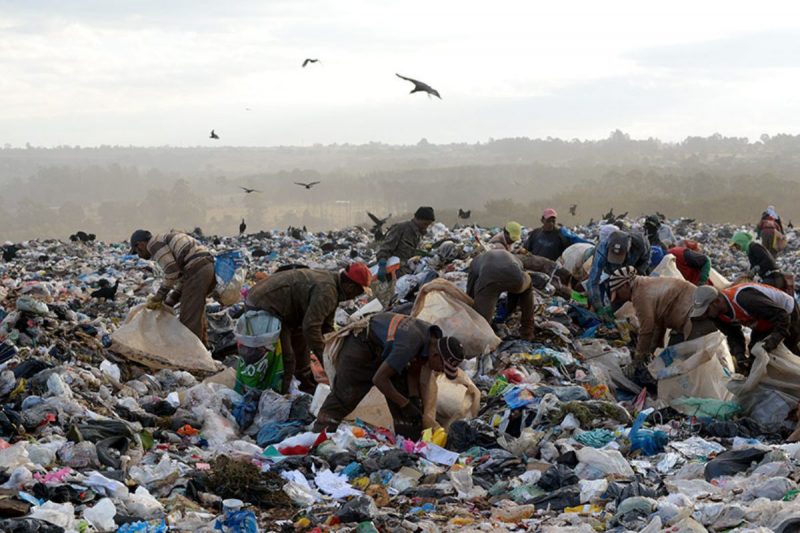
(771, 314)
(493, 273)
(389, 354)
(188, 269)
(660, 304)
(305, 301)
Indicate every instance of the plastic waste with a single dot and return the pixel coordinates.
(650, 442)
(157, 339)
(596, 464)
(237, 522)
(731, 462)
(101, 515)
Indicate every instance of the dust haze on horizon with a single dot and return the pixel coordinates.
(645, 87)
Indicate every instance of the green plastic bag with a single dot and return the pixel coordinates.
(265, 373)
(706, 408)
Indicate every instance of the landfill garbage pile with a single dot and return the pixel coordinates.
(553, 435)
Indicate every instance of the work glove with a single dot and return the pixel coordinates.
(667, 355)
(411, 412)
(172, 299)
(382, 275)
(606, 314)
(154, 303)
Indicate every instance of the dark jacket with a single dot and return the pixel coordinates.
(762, 260)
(402, 241)
(498, 268)
(762, 308)
(551, 244)
(303, 298)
(399, 338)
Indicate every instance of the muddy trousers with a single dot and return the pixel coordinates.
(486, 301)
(197, 285)
(296, 360)
(355, 368)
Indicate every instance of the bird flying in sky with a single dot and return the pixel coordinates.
(306, 185)
(309, 60)
(213, 135)
(464, 214)
(248, 191)
(421, 87)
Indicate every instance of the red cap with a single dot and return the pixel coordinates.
(549, 213)
(358, 273)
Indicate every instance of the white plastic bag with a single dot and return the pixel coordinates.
(701, 369)
(157, 339)
(257, 329)
(441, 303)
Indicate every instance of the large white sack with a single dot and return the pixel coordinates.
(157, 339)
(577, 259)
(441, 303)
(701, 369)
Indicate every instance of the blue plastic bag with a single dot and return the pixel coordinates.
(237, 522)
(226, 265)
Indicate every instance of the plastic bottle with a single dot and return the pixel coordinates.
(649, 441)
(514, 514)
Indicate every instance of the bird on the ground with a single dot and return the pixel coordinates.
(10, 252)
(309, 60)
(573, 209)
(464, 214)
(213, 135)
(83, 237)
(377, 229)
(421, 87)
(242, 227)
(306, 185)
(248, 191)
(106, 290)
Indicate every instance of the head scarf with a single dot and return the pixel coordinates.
(620, 277)
(742, 240)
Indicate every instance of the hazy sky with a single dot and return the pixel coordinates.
(167, 71)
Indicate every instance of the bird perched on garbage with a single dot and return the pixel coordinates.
(306, 185)
(213, 135)
(83, 237)
(248, 191)
(662, 216)
(242, 227)
(308, 60)
(420, 87)
(10, 252)
(377, 229)
(573, 209)
(464, 214)
(106, 290)
(609, 215)
(790, 225)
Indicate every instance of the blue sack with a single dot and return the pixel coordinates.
(226, 265)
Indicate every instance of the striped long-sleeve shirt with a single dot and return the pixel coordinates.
(176, 253)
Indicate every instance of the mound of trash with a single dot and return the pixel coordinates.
(114, 420)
